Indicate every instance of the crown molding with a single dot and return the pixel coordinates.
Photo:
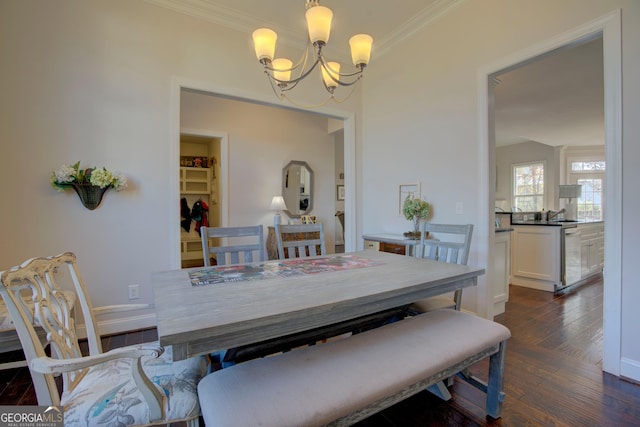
(420, 21)
(208, 10)
(234, 19)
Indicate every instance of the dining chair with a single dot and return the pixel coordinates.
(300, 240)
(451, 245)
(240, 251)
(135, 385)
(9, 340)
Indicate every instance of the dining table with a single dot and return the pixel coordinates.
(206, 309)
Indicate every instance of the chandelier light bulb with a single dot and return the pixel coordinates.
(319, 24)
(282, 69)
(264, 43)
(331, 70)
(360, 49)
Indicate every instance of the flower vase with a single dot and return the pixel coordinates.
(415, 234)
(90, 195)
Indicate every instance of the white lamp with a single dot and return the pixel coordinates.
(277, 204)
(570, 192)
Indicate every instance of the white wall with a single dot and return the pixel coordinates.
(93, 81)
(421, 124)
(262, 140)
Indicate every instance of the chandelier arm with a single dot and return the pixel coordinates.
(300, 105)
(340, 101)
(292, 81)
(273, 87)
(331, 72)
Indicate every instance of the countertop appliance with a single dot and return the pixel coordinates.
(571, 257)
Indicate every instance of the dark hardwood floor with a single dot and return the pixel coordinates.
(553, 375)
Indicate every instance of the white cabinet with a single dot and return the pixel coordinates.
(195, 181)
(502, 268)
(535, 257)
(592, 248)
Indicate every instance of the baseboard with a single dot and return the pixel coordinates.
(118, 326)
(630, 369)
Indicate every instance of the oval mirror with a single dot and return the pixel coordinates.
(297, 188)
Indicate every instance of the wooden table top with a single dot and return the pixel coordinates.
(201, 319)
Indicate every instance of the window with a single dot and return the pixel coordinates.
(589, 174)
(528, 187)
(587, 166)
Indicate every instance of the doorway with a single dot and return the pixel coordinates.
(610, 27)
(200, 201)
(347, 179)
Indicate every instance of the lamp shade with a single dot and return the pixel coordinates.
(319, 23)
(360, 49)
(264, 43)
(282, 69)
(569, 191)
(332, 70)
(277, 204)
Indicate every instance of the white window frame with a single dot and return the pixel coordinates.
(544, 177)
(586, 155)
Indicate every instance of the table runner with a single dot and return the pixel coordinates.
(268, 270)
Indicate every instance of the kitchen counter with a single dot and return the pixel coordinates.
(553, 255)
(503, 229)
(552, 223)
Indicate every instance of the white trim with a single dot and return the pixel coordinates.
(421, 20)
(630, 369)
(350, 182)
(610, 26)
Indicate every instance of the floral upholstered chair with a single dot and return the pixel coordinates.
(135, 385)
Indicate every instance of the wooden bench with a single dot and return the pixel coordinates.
(344, 381)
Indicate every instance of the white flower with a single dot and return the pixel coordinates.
(65, 174)
(101, 177)
(120, 182)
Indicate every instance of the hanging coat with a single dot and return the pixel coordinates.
(185, 215)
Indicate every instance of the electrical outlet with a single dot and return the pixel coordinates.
(459, 208)
(134, 291)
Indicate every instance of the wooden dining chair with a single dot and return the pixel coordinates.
(135, 385)
(300, 240)
(451, 245)
(238, 246)
(9, 340)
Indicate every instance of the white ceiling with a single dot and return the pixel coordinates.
(556, 100)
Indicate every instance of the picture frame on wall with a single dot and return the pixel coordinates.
(340, 192)
(407, 190)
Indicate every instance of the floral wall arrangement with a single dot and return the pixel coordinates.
(90, 183)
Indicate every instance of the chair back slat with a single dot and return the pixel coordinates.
(237, 253)
(452, 252)
(300, 240)
(40, 277)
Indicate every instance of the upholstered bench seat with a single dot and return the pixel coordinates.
(344, 381)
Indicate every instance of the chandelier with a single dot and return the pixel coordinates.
(279, 70)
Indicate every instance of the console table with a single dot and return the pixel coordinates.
(393, 243)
